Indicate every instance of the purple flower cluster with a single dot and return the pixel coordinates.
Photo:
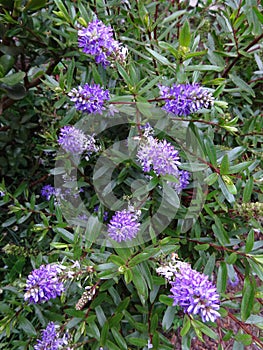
(43, 284)
(97, 40)
(163, 159)
(47, 191)
(50, 339)
(74, 141)
(195, 293)
(89, 98)
(184, 99)
(123, 225)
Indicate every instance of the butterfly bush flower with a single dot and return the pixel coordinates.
(184, 99)
(163, 159)
(124, 225)
(194, 292)
(43, 284)
(50, 339)
(89, 98)
(97, 40)
(74, 141)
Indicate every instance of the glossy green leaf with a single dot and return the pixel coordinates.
(13, 79)
(222, 278)
(248, 189)
(248, 294)
(224, 166)
(185, 35)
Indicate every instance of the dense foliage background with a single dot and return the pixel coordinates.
(217, 44)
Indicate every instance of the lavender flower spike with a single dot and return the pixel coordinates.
(50, 339)
(195, 293)
(97, 40)
(43, 284)
(124, 225)
(163, 159)
(89, 98)
(47, 191)
(184, 99)
(74, 141)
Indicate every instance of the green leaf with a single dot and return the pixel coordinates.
(128, 276)
(163, 60)
(220, 232)
(222, 278)
(7, 62)
(168, 318)
(173, 16)
(204, 329)
(123, 305)
(250, 241)
(15, 92)
(185, 35)
(186, 326)
(27, 326)
(248, 189)
(13, 79)
(66, 235)
(34, 5)
(124, 74)
(228, 196)
(229, 184)
(139, 258)
(248, 294)
(119, 339)
(63, 10)
(258, 13)
(202, 247)
(224, 166)
(204, 68)
(136, 341)
(104, 333)
(233, 169)
(117, 260)
(209, 267)
(211, 179)
(242, 84)
(20, 189)
(245, 339)
(166, 300)
(210, 151)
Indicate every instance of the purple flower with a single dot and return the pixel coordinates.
(74, 141)
(97, 40)
(48, 191)
(234, 281)
(43, 284)
(124, 225)
(89, 98)
(163, 159)
(184, 99)
(195, 293)
(50, 339)
(105, 214)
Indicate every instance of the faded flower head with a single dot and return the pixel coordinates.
(50, 339)
(194, 292)
(162, 158)
(43, 284)
(124, 225)
(89, 98)
(74, 141)
(184, 99)
(97, 40)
